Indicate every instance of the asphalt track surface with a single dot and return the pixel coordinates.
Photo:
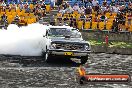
(32, 72)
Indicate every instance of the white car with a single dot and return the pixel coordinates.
(67, 42)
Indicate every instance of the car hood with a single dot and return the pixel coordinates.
(69, 40)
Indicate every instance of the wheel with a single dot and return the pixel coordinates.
(84, 59)
(46, 57)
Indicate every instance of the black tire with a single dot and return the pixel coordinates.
(84, 59)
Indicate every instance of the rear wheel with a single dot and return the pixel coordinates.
(84, 59)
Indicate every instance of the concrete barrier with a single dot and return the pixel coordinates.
(111, 50)
(98, 49)
(98, 35)
(94, 35)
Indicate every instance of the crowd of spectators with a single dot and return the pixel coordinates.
(94, 5)
(87, 14)
(23, 10)
(119, 12)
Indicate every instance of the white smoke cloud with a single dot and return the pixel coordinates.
(25, 41)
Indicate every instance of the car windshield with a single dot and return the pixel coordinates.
(62, 32)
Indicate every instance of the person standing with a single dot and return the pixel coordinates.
(4, 17)
(94, 2)
(52, 21)
(85, 1)
(59, 2)
(52, 3)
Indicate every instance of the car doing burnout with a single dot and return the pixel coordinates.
(66, 41)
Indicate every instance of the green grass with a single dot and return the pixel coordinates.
(94, 42)
(111, 44)
(120, 44)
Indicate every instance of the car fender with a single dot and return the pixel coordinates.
(48, 43)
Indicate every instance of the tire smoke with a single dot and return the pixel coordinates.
(24, 41)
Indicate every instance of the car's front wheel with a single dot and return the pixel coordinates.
(47, 57)
(84, 59)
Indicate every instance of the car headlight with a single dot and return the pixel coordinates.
(53, 46)
(86, 47)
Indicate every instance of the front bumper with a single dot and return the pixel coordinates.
(69, 52)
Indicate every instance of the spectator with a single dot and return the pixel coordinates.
(4, 17)
(103, 8)
(76, 7)
(116, 9)
(52, 3)
(85, 1)
(43, 6)
(82, 9)
(25, 6)
(83, 17)
(82, 1)
(22, 20)
(62, 10)
(52, 20)
(69, 9)
(73, 22)
(94, 2)
(95, 19)
(17, 18)
(96, 8)
(15, 6)
(64, 5)
(121, 2)
(105, 3)
(129, 16)
(88, 10)
(115, 26)
(129, 8)
(107, 9)
(113, 3)
(121, 20)
(89, 3)
(27, 9)
(59, 17)
(103, 17)
(3, 4)
(34, 1)
(59, 2)
(123, 9)
(4, 20)
(7, 7)
(39, 13)
(66, 18)
(88, 19)
(21, 6)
